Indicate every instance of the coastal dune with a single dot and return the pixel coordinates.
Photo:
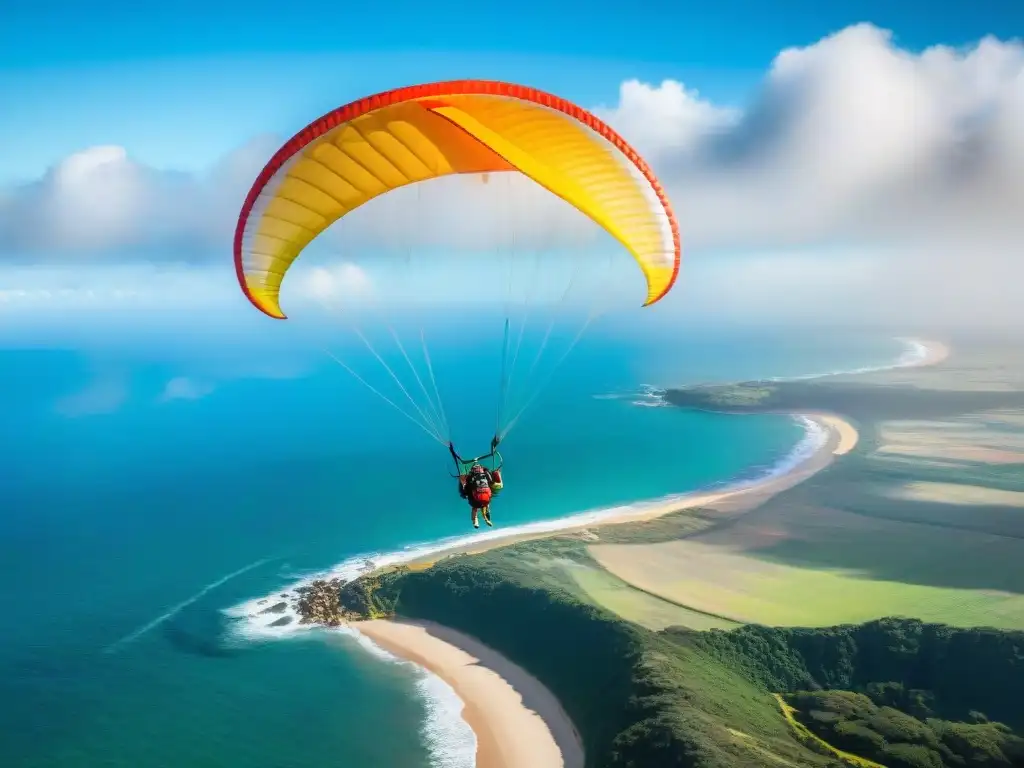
(517, 721)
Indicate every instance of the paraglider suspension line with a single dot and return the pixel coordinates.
(438, 414)
(383, 397)
(547, 380)
(503, 386)
(433, 381)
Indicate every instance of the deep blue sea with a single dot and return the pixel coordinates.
(145, 496)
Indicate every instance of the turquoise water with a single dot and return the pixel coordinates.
(131, 523)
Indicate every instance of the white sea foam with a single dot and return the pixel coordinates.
(449, 739)
(647, 396)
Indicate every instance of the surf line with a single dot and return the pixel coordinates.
(174, 611)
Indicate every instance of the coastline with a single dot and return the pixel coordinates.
(516, 720)
(495, 692)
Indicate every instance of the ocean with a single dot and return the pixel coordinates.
(149, 502)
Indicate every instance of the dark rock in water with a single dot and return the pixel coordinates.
(284, 594)
(261, 602)
(282, 622)
(276, 608)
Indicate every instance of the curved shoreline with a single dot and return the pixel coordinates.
(517, 721)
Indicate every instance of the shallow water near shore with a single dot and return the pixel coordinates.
(130, 535)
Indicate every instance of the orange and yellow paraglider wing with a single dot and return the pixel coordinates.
(377, 144)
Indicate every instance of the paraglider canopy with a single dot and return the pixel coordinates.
(408, 135)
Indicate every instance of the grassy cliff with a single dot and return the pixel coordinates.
(685, 698)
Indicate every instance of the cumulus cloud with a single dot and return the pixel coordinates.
(912, 160)
(855, 140)
(894, 180)
(100, 204)
(666, 121)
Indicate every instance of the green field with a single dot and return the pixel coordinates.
(607, 591)
(563, 564)
(749, 589)
(793, 563)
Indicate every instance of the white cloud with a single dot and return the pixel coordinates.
(101, 204)
(850, 140)
(342, 281)
(668, 119)
(913, 161)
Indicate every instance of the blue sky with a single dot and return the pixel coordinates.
(728, 33)
(804, 176)
(180, 84)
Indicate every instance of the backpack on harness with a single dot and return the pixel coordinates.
(478, 490)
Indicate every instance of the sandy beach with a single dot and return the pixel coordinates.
(518, 723)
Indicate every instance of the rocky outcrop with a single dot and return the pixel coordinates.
(318, 603)
(333, 602)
